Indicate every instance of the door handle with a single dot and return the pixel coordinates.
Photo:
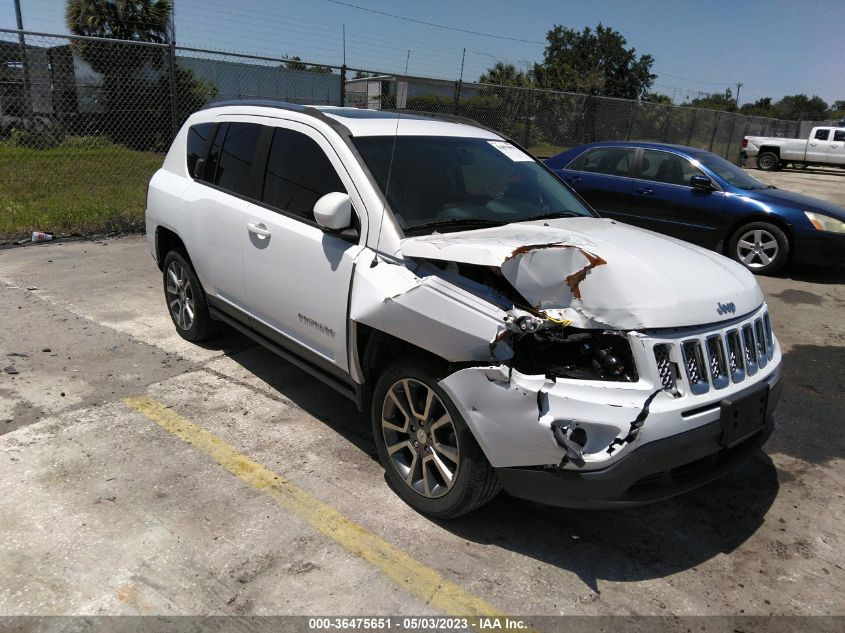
(259, 229)
(813, 144)
(834, 145)
(646, 191)
(574, 178)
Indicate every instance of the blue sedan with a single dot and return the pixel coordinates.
(697, 196)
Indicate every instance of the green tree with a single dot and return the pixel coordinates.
(761, 107)
(594, 62)
(715, 101)
(138, 84)
(795, 107)
(653, 97)
(296, 63)
(503, 74)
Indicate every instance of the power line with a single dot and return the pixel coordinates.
(439, 26)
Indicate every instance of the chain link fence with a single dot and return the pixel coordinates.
(93, 116)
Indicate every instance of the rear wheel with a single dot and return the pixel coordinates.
(768, 161)
(430, 456)
(185, 298)
(799, 165)
(761, 247)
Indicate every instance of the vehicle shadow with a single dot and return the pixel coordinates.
(630, 544)
(826, 171)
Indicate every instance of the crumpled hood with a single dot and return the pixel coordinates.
(602, 273)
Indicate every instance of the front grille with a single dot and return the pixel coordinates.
(664, 367)
(717, 359)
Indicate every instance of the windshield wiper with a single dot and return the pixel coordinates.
(453, 223)
(550, 216)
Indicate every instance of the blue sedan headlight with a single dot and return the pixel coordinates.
(825, 223)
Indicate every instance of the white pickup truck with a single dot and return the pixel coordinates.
(826, 146)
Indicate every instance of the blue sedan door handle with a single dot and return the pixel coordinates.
(574, 178)
(646, 191)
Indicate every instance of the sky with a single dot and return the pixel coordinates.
(774, 47)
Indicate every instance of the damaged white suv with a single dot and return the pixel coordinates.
(501, 334)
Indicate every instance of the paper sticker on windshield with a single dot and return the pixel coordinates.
(511, 151)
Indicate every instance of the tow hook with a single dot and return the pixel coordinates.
(571, 438)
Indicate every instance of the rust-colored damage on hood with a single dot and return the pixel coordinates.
(574, 280)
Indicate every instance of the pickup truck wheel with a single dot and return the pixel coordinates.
(799, 165)
(761, 247)
(430, 456)
(186, 300)
(768, 161)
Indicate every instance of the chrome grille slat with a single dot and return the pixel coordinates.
(714, 359)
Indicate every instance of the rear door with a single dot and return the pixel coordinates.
(296, 276)
(216, 200)
(836, 147)
(602, 176)
(664, 201)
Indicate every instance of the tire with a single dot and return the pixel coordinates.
(418, 480)
(799, 165)
(185, 299)
(768, 161)
(761, 247)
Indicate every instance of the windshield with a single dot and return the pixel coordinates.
(437, 181)
(730, 172)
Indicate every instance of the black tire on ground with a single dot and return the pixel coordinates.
(770, 242)
(768, 161)
(196, 324)
(799, 165)
(475, 481)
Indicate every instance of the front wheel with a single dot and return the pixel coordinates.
(430, 456)
(761, 247)
(768, 161)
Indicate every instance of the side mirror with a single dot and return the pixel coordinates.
(701, 183)
(333, 212)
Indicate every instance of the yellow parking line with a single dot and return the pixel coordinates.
(414, 577)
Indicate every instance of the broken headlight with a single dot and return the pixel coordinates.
(581, 354)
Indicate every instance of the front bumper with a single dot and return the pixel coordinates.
(653, 472)
(819, 247)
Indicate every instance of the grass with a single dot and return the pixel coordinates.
(546, 150)
(81, 187)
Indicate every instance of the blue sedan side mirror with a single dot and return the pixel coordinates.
(701, 183)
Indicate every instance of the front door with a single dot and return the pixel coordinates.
(296, 276)
(818, 146)
(664, 201)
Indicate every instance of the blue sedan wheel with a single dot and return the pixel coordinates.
(761, 247)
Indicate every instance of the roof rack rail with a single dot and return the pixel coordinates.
(450, 118)
(282, 105)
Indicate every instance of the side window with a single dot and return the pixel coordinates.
(821, 135)
(298, 174)
(197, 142)
(839, 135)
(214, 153)
(236, 156)
(612, 161)
(666, 167)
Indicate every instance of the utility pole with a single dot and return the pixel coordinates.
(171, 74)
(463, 57)
(738, 86)
(344, 43)
(24, 65)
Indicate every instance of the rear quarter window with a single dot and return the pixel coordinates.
(198, 136)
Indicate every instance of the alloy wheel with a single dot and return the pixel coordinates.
(767, 161)
(757, 248)
(180, 296)
(420, 437)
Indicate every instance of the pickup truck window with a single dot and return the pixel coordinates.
(821, 135)
(667, 167)
(236, 158)
(435, 180)
(298, 174)
(839, 135)
(611, 161)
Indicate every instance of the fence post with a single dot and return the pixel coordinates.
(174, 106)
(457, 97)
(630, 120)
(692, 126)
(715, 127)
(529, 110)
(666, 123)
(730, 136)
(343, 86)
(765, 126)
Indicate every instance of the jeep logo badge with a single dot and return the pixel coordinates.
(725, 308)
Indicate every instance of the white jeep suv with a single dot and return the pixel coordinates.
(501, 334)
